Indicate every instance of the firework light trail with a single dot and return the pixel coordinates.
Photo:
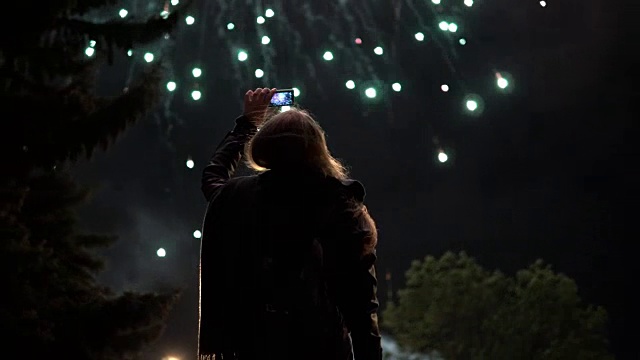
(373, 48)
(294, 42)
(376, 49)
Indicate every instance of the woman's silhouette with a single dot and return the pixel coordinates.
(287, 259)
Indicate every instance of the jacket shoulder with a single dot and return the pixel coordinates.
(353, 189)
(238, 183)
(244, 180)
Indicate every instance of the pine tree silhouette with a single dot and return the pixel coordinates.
(52, 305)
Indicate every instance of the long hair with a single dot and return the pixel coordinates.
(289, 140)
(293, 139)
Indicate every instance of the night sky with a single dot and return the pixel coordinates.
(546, 169)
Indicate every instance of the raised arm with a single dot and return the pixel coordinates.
(226, 158)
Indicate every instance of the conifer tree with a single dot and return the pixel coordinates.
(52, 304)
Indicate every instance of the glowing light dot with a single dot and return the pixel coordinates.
(197, 72)
(419, 36)
(462, 41)
(378, 50)
(350, 84)
(196, 95)
(171, 85)
(437, 2)
(190, 20)
(296, 92)
(396, 87)
(148, 57)
(502, 83)
(164, 14)
(129, 52)
(444, 26)
(89, 51)
(190, 164)
(452, 27)
(161, 252)
(265, 40)
(469, 3)
(269, 13)
(472, 105)
(197, 234)
(444, 88)
(358, 41)
(175, 2)
(442, 157)
(243, 56)
(231, 26)
(259, 73)
(260, 20)
(285, 108)
(328, 56)
(543, 3)
(371, 93)
(123, 13)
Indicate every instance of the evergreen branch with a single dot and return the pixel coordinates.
(103, 126)
(91, 241)
(124, 34)
(130, 319)
(50, 73)
(54, 69)
(81, 7)
(81, 270)
(140, 310)
(78, 122)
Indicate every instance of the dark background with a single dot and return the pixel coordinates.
(547, 171)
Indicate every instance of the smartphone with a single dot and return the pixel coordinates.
(282, 98)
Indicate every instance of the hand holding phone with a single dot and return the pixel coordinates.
(283, 97)
(256, 103)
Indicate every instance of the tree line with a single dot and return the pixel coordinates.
(453, 308)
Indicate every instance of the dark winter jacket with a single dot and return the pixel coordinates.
(295, 213)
